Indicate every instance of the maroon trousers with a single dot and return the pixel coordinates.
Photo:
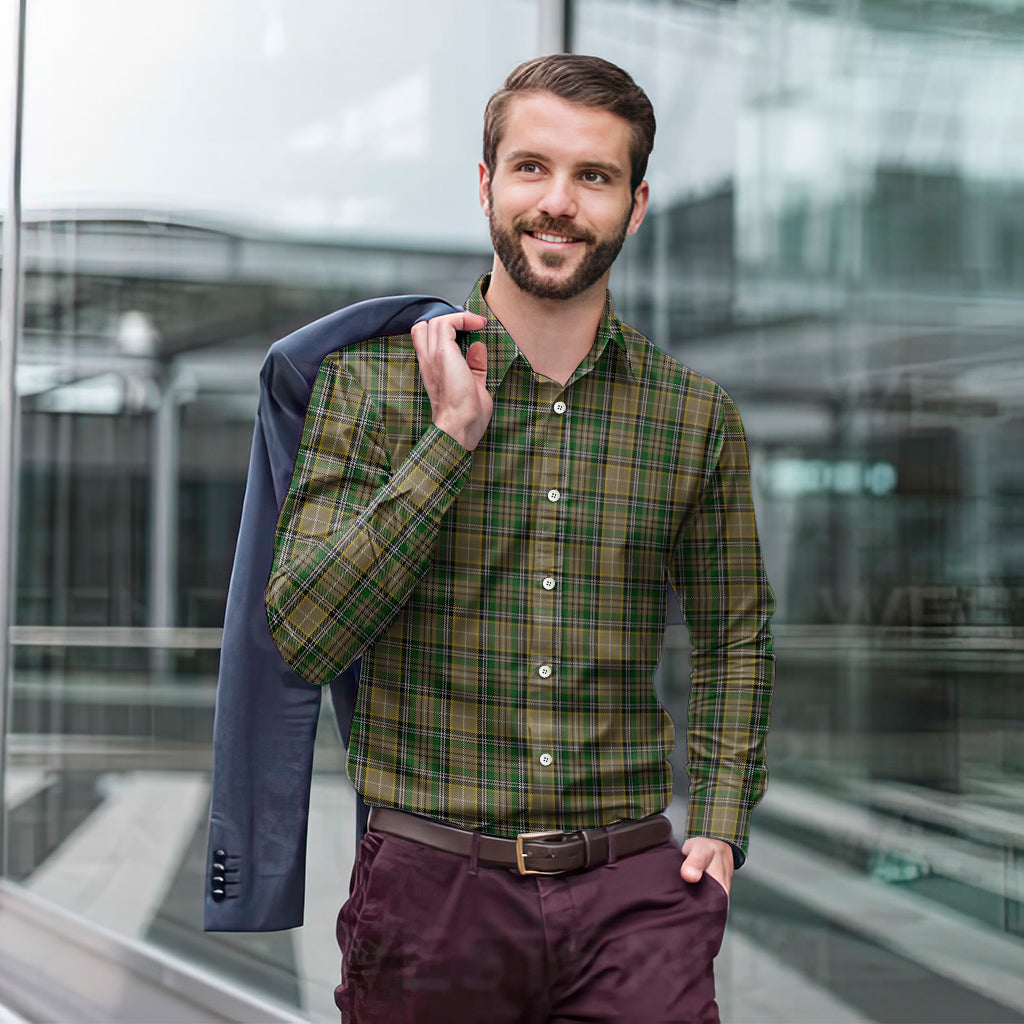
(430, 937)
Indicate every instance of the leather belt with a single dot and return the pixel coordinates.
(532, 853)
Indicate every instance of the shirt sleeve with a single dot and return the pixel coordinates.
(727, 601)
(354, 533)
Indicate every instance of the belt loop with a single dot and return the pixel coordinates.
(585, 834)
(610, 833)
(474, 854)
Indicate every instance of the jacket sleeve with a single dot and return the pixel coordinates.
(727, 602)
(355, 533)
(263, 733)
(266, 714)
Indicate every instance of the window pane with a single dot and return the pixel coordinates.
(201, 177)
(836, 236)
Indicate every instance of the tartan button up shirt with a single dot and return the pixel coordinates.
(509, 603)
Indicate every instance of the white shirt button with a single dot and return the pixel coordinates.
(549, 583)
(544, 671)
(546, 759)
(559, 407)
(553, 494)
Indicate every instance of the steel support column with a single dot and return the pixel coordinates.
(554, 33)
(10, 320)
(163, 549)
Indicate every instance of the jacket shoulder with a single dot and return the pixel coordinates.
(371, 318)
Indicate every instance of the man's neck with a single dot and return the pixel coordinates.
(554, 334)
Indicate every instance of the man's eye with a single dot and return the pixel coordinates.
(529, 168)
(593, 177)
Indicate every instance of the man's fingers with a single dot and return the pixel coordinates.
(445, 325)
(472, 321)
(457, 387)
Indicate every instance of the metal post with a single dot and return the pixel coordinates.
(554, 24)
(163, 548)
(10, 318)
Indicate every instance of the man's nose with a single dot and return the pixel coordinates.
(559, 198)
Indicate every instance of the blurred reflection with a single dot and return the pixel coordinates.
(855, 282)
(145, 323)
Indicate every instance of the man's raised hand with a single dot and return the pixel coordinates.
(459, 400)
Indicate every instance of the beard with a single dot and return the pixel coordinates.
(599, 255)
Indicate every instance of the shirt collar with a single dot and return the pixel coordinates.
(502, 350)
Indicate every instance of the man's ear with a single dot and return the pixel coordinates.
(485, 187)
(641, 197)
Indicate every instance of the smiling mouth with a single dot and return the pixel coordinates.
(546, 237)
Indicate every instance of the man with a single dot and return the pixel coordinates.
(488, 513)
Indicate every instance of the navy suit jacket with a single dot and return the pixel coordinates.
(266, 715)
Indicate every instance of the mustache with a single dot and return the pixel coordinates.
(552, 226)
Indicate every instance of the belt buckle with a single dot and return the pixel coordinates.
(521, 855)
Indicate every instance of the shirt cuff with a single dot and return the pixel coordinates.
(433, 473)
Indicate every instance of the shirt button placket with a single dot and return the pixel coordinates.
(546, 562)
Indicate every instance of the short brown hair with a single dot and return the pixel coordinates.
(577, 78)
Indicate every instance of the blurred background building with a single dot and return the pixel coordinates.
(836, 235)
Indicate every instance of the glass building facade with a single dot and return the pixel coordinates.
(836, 235)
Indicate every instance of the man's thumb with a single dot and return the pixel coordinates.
(477, 357)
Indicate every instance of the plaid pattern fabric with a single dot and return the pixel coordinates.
(509, 603)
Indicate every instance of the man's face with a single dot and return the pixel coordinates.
(559, 202)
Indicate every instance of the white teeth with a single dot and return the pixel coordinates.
(551, 238)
